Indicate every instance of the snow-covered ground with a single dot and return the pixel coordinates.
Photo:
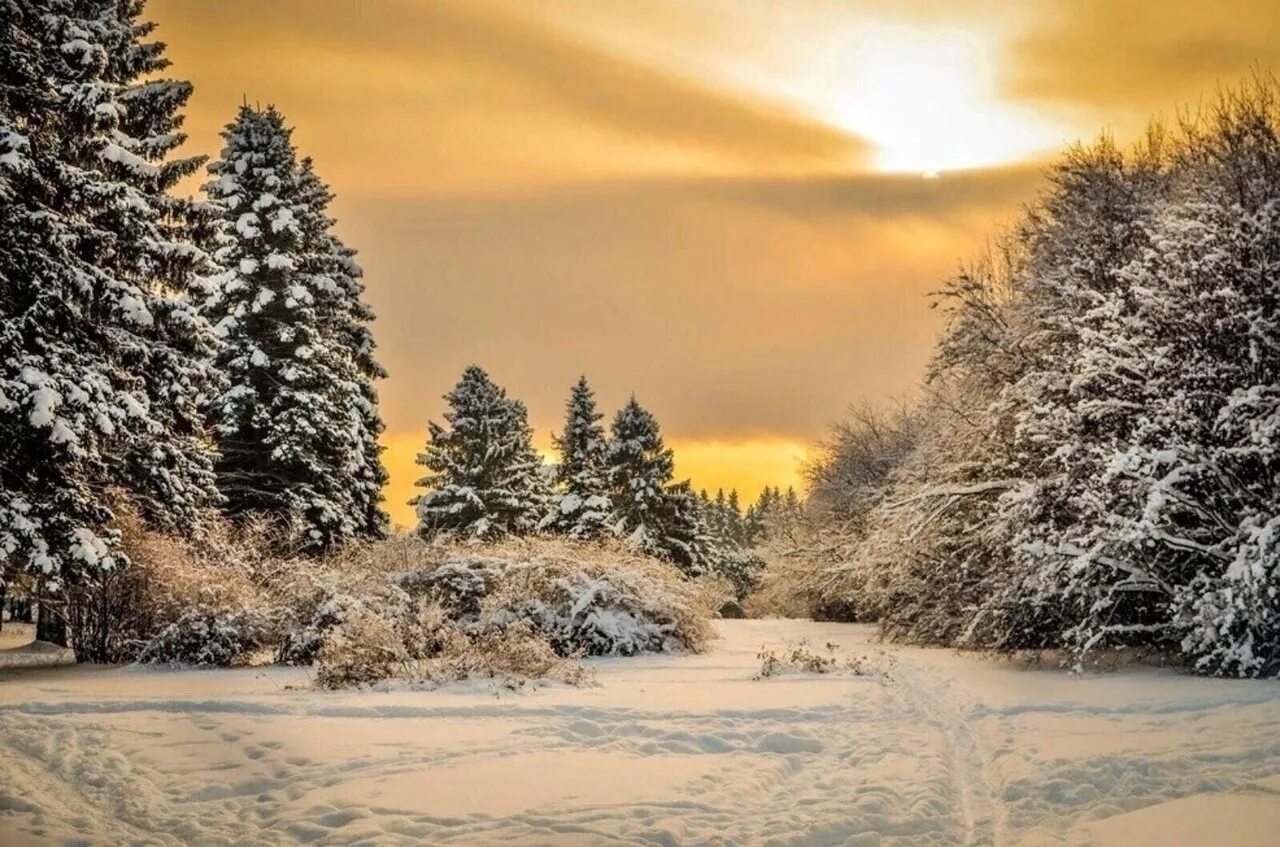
(18, 648)
(949, 749)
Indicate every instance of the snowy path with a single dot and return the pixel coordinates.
(666, 750)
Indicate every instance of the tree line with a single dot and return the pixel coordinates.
(184, 353)
(484, 480)
(1094, 460)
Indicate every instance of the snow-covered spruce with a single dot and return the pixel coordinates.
(654, 515)
(484, 480)
(347, 317)
(729, 552)
(580, 506)
(102, 356)
(297, 423)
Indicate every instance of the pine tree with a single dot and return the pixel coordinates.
(483, 479)
(581, 509)
(297, 424)
(654, 515)
(102, 356)
(685, 536)
(766, 511)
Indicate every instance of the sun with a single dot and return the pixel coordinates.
(927, 100)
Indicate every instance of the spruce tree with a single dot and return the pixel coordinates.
(655, 516)
(346, 318)
(297, 424)
(718, 515)
(751, 526)
(581, 509)
(484, 479)
(102, 356)
(735, 531)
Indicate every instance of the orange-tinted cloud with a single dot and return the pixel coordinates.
(734, 308)
(643, 192)
(465, 96)
(1117, 61)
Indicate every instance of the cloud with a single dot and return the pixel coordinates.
(1120, 58)
(460, 95)
(735, 308)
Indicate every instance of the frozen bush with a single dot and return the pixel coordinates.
(599, 600)
(460, 585)
(525, 609)
(206, 636)
(301, 642)
(163, 581)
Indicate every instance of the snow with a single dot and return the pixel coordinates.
(948, 749)
(19, 649)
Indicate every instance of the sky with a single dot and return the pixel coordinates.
(734, 209)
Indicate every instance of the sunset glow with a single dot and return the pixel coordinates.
(927, 100)
(717, 205)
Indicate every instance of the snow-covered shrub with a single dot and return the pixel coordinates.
(523, 608)
(161, 578)
(204, 635)
(460, 585)
(579, 613)
(599, 600)
(302, 640)
(593, 598)
(385, 608)
(1232, 620)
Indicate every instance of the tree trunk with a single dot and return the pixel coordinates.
(50, 626)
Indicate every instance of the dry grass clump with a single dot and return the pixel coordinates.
(804, 584)
(801, 657)
(178, 599)
(370, 649)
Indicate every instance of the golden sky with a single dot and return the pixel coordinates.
(720, 205)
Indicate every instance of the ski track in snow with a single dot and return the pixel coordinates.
(948, 749)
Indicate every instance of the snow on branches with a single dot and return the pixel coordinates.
(297, 422)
